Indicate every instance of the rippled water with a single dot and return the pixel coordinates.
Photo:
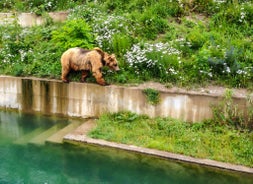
(64, 163)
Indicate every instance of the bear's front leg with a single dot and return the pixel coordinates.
(64, 75)
(99, 78)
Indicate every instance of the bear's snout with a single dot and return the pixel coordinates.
(117, 68)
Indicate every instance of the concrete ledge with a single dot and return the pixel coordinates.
(91, 100)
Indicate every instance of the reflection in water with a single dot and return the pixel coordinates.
(50, 163)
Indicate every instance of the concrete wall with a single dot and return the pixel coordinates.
(86, 100)
(30, 19)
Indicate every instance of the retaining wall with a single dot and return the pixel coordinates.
(31, 19)
(89, 100)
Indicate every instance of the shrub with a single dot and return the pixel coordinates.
(152, 60)
(86, 12)
(121, 43)
(38, 6)
(74, 33)
(36, 51)
(107, 28)
(12, 45)
(150, 25)
(196, 38)
(24, 49)
(229, 113)
(112, 5)
(6, 4)
(235, 19)
(214, 49)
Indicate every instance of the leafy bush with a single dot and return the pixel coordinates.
(147, 60)
(74, 33)
(121, 43)
(198, 48)
(196, 38)
(150, 25)
(228, 112)
(107, 29)
(37, 50)
(6, 4)
(38, 6)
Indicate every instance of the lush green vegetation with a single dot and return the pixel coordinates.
(202, 140)
(37, 6)
(174, 42)
(228, 137)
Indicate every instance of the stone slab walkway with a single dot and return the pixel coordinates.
(80, 135)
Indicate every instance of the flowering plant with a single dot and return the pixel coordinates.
(104, 26)
(153, 60)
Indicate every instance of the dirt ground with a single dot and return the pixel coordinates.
(211, 90)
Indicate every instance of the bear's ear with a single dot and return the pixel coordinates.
(107, 58)
(113, 56)
(99, 51)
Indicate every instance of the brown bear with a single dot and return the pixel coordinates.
(79, 59)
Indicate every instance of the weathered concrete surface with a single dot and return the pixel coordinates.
(80, 135)
(91, 100)
(31, 19)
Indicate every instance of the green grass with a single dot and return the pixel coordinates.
(201, 140)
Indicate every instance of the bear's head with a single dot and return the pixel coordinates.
(111, 61)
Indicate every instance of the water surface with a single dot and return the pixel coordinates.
(24, 162)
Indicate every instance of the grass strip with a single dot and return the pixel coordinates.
(201, 140)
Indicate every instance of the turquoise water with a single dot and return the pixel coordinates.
(24, 162)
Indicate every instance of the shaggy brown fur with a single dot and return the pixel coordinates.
(79, 59)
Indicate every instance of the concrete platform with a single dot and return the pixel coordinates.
(58, 136)
(27, 137)
(80, 135)
(41, 138)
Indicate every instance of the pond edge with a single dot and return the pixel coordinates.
(84, 139)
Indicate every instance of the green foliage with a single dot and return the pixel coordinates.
(121, 44)
(6, 4)
(38, 6)
(153, 61)
(196, 38)
(37, 50)
(201, 41)
(229, 113)
(152, 95)
(150, 25)
(202, 140)
(74, 33)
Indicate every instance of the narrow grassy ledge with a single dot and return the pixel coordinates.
(200, 140)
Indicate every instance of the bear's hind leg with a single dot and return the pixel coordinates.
(85, 73)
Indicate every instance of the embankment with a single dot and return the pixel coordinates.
(91, 100)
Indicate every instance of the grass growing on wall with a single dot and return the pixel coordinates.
(201, 140)
(152, 95)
